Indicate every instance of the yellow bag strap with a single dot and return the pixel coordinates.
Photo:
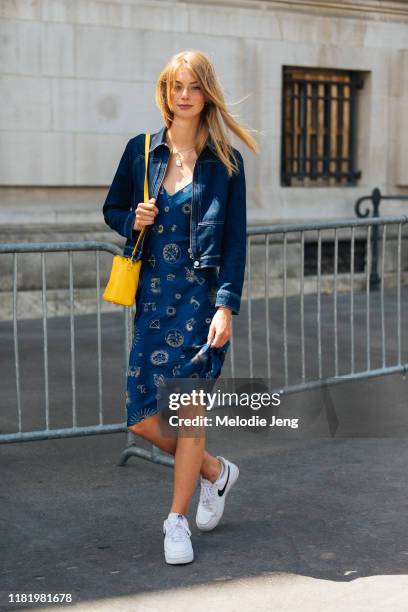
(146, 190)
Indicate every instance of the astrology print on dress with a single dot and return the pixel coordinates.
(174, 307)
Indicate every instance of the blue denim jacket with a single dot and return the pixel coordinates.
(218, 221)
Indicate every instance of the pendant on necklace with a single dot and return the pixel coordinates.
(178, 162)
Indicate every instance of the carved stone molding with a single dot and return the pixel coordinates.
(387, 10)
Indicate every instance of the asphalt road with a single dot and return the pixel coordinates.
(317, 520)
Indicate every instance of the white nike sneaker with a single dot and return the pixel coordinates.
(212, 496)
(177, 543)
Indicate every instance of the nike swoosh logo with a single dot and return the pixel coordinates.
(222, 491)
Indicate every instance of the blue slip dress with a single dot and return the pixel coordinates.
(174, 307)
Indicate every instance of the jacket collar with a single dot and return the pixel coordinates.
(159, 138)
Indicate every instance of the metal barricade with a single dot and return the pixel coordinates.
(292, 297)
(375, 198)
(290, 380)
(48, 432)
(74, 430)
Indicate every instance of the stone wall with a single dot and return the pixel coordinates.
(78, 80)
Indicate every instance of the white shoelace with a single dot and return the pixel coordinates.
(208, 491)
(176, 530)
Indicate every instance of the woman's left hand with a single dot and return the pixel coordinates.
(220, 327)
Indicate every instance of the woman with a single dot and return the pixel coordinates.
(192, 273)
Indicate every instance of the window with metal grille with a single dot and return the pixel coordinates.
(319, 127)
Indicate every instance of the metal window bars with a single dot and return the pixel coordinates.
(319, 126)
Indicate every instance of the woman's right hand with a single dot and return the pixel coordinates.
(145, 214)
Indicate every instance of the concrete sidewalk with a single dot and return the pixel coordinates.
(279, 592)
(313, 524)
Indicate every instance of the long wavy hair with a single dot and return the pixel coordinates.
(215, 112)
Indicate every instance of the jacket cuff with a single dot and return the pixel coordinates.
(228, 298)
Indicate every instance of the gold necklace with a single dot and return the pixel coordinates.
(179, 159)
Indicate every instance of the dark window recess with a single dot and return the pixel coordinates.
(327, 260)
(319, 127)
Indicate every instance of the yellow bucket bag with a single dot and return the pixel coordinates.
(124, 277)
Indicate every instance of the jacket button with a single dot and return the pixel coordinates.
(196, 263)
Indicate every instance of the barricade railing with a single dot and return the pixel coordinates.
(375, 198)
(292, 378)
(69, 248)
(285, 322)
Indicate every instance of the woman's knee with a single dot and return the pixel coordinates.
(143, 428)
(138, 429)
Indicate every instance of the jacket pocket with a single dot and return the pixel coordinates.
(209, 239)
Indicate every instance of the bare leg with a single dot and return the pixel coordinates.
(188, 457)
(149, 430)
(187, 465)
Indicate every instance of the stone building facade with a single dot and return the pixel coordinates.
(78, 78)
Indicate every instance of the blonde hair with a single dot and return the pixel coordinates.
(215, 111)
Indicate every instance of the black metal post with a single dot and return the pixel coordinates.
(376, 198)
(375, 279)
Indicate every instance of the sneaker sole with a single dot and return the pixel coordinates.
(233, 479)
